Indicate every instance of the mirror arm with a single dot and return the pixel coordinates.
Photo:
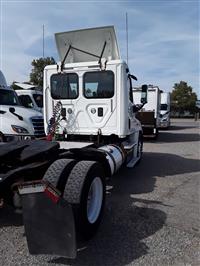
(137, 107)
(132, 76)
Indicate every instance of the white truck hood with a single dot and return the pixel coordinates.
(7, 119)
(89, 40)
(20, 110)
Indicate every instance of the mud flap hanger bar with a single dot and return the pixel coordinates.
(85, 52)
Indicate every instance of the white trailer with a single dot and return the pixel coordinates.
(91, 119)
(17, 122)
(165, 110)
(30, 96)
(149, 115)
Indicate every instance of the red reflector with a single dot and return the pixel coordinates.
(51, 194)
(49, 137)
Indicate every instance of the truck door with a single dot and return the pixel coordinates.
(98, 101)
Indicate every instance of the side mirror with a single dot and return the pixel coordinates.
(132, 76)
(12, 110)
(144, 94)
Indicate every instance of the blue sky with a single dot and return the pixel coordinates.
(163, 35)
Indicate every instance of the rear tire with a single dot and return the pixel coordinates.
(85, 191)
(58, 172)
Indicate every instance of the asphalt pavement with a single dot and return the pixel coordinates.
(152, 214)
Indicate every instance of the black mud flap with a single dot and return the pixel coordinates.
(48, 221)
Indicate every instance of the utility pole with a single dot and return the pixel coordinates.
(43, 40)
(127, 37)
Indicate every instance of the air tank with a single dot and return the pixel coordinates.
(114, 155)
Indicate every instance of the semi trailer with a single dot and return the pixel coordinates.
(92, 131)
(149, 115)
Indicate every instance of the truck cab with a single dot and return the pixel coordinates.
(30, 96)
(93, 85)
(165, 110)
(149, 115)
(17, 122)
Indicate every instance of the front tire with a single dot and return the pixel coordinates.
(85, 190)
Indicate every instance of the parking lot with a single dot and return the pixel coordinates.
(151, 215)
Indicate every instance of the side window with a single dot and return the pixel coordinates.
(163, 107)
(26, 101)
(38, 99)
(98, 84)
(64, 86)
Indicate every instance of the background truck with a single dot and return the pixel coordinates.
(90, 119)
(165, 110)
(30, 96)
(149, 115)
(17, 122)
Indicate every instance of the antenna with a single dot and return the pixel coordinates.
(43, 40)
(127, 37)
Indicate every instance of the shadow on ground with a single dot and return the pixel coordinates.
(119, 241)
(128, 220)
(174, 134)
(142, 178)
(8, 217)
(170, 137)
(179, 127)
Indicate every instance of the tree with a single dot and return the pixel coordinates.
(183, 98)
(36, 75)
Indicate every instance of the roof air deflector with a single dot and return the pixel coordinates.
(87, 45)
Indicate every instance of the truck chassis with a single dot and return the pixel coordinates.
(61, 191)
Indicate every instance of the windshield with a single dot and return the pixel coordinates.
(8, 97)
(163, 107)
(64, 86)
(26, 101)
(38, 99)
(99, 84)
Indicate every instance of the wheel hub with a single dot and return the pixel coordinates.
(94, 201)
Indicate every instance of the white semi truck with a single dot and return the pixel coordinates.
(149, 115)
(90, 119)
(17, 122)
(30, 96)
(165, 110)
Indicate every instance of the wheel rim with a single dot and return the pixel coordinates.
(94, 201)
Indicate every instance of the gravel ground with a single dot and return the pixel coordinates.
(151, 216)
